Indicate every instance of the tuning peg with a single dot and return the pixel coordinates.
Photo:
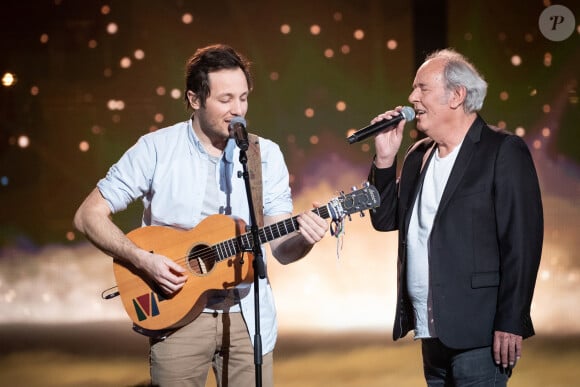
(353, 188)
(362, 214)
(366, 184)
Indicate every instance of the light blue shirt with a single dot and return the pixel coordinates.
(167, 170)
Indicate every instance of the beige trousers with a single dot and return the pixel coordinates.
(219, 340)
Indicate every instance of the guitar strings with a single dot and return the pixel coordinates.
(211, 254)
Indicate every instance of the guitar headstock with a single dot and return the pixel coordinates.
(365, 198)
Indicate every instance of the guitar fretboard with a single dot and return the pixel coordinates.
(266, 234)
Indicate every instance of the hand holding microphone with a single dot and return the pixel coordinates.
(407, 113)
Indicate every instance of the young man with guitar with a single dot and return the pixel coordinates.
(186, 175)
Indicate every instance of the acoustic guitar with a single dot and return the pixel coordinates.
(217, 254)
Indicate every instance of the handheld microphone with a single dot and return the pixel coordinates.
(238, 128)
(407, 113)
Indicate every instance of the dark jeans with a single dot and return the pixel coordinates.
(447, 367)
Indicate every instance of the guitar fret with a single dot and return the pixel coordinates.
(223, 252)
(235, 247)
(247, 244)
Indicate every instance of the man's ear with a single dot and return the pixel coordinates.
(193, 100)
(457, 97)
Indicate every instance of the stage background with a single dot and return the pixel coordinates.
(90, 77)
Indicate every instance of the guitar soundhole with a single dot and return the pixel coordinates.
(201, 259)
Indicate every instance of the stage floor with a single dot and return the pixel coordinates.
(110, 354)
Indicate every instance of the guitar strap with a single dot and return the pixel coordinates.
(255, 171)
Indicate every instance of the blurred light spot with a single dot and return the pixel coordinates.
(9, 296)
(96, 129)
(365, 147)
(159, 118)
(84, 146)
(359, 34)
(533, 92)
(34, 90)
(546, 132)
(23, 141)
(516, 60)
(160, 90)
(112, 28)
(93, 43)
(328, 53)
(70, 236)
(8, 79)
(337, 16)
(345, 49)
(502, 36)
(520, 131)
(341, 106)
(546, 108)
(537, 144)
(125, 62)
(392, 44)
(502, 125)
(314, 140)
(504, 95)
(44, 38)
(468, 36)
(105, 10)
(116, 118)
(285, 29)
(309, 112)
(529, 38)
(315, 29)
(175, 93)
(139, 54)
(274, 76)
(350, 132)
(413, 133)
(4, 181)
(187, 18)
(114, 104)
(547, 59)
(153, 128)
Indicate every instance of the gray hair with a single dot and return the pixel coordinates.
(459, 72)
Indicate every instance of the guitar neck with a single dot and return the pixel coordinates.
(266, 234)
(285, 227)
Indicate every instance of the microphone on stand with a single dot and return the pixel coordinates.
(407, 113)
(237, 127)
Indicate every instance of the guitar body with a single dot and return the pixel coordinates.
(148, 307)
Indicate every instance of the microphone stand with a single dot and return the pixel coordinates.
(258, 263)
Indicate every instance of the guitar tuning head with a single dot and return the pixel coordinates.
(366, 184)
(362, 214)
(353, 188)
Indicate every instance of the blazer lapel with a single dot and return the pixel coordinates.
(417, 188)
(462, 162)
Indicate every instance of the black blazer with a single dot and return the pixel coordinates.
(486, 240)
